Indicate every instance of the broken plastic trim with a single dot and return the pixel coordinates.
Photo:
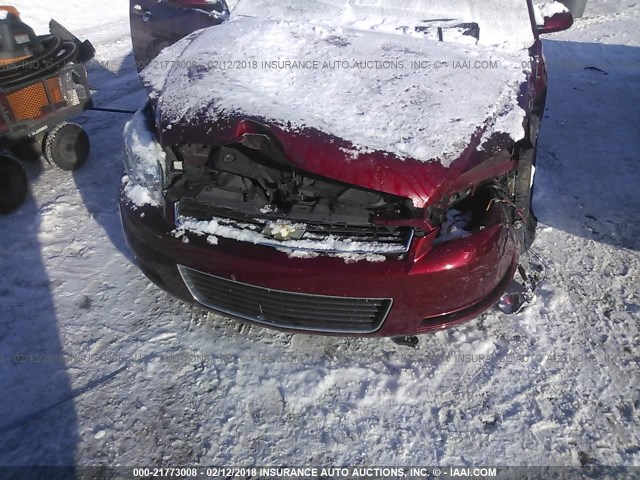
(522, 294)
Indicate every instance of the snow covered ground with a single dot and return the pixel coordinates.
(98, 366)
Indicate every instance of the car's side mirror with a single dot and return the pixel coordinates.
(556, 23)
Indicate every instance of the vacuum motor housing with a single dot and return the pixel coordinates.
(18, 41)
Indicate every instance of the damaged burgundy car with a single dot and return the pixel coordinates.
(352, 167)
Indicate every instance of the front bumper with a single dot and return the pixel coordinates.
(452, 283)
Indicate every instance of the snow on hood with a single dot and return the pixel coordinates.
(360, 86)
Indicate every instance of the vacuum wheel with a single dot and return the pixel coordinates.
(67, 145)
(13, 184)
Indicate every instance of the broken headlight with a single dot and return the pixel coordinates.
(143, 159)
(464, 213)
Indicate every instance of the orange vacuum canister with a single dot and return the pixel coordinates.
(43, 83)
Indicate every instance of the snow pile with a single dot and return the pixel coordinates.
(79, 16)
(547, 9)
(137, 194)
(418, 99)
(501, 21)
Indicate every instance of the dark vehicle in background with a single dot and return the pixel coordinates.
(231, 212)
(158, 24)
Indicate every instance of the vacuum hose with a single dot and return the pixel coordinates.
(56, 53)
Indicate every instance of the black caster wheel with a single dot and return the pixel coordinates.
(14, 185)
(67, 146)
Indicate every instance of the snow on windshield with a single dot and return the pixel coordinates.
(501, 22)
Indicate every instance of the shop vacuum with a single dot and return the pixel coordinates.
(43, 83)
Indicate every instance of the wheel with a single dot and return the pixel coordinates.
(13, 185)
(67, 145)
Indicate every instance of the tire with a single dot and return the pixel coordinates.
(67, 146)
(14, 185)
(524, 196)
(526, 176)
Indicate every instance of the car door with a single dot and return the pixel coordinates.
(156, 24)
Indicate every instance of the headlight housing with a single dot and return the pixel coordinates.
(143, 158)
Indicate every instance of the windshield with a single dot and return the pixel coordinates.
(490, 22)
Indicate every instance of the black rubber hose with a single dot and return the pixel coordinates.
(56, 53)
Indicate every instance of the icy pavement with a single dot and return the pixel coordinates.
(97, 366)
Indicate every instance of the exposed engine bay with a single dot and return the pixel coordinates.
(251, 186)
(249, 183)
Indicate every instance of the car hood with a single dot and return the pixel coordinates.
(390, 112)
